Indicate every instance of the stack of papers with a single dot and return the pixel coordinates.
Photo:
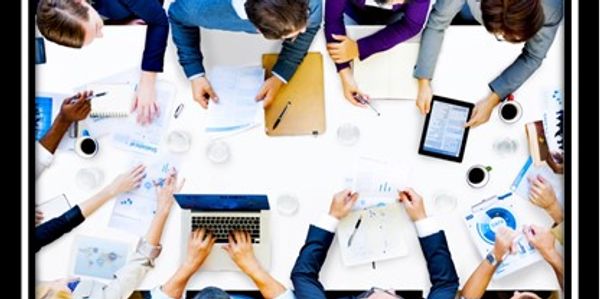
(237, 107)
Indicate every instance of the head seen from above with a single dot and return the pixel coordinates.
(278, 19)
(71, 23)
(513, 21)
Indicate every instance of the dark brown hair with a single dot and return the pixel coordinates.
(277, 18)
(60, 21)
(516, 20)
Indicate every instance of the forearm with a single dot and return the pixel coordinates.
(175, 286)
(187, 41)
(292, 54)
(431, 40)
(267, 285)
(89, 206)
(555, 211)
(477, 284)
(58, 129)
(556, 261)
(156, 227)
(397, 32)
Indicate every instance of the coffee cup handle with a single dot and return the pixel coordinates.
(488, 168)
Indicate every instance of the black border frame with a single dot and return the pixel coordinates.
(568, 20)
(463, 145)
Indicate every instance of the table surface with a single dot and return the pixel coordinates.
(309, 167)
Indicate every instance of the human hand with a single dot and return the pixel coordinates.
(269, 90)
(342, 203)
(199, 247)
(542, 195)
(241, 251)
(413, 203)
(39, 217)
(145, 99)
(127, 181)
(346, 49)
(503, 243)
(75, 108)
(542, 239)
(483, 110)
(351, 88)
(202, 91)
(424, 96)
(164, 193)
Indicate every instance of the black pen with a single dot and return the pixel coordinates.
(281, 115)
(362, 100)
(73, 98)
(355, 229)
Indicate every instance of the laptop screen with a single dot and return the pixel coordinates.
(222, 202)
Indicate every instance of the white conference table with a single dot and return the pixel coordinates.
(309, 167)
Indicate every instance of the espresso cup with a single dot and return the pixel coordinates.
(86, 146)
(478, 175)
(510, 111)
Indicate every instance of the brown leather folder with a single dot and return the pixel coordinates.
(305, 115)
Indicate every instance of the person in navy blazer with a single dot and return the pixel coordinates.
(442, 274)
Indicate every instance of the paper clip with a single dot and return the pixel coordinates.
(178, 110)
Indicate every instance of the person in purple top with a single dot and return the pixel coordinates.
(404, 19)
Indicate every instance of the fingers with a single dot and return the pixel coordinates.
(152, 112)
(262, 92)
(201, 100)
(212, 94)
(268, 99)
(473, 121)
(353, 199)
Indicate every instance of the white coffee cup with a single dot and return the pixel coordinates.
(478, 175)
(86, 147)
(287, 204)
(510, 111)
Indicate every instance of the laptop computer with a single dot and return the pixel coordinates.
(222, 213)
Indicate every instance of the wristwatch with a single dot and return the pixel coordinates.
(148, 250)
(492, 259)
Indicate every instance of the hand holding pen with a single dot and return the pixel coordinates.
(76, 108)
(342, 203)
(361, 99)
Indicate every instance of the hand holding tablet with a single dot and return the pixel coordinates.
(444, 134)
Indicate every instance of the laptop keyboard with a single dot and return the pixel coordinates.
(221, 226)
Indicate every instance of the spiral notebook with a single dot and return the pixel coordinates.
(116, 102)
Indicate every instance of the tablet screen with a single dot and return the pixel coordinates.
(444, 134)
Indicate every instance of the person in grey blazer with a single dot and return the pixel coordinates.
(534, 22)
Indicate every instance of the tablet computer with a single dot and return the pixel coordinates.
(444, 134)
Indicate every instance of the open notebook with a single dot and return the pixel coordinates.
(388, 75)
(116, 102)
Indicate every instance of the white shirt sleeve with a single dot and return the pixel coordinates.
(288, 294)
(327, 222)
(192, 77)
(427, 227)
(279, 77)
(43, 159)
(157, 293)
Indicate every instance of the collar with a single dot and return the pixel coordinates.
(238, 6)
(373, 3)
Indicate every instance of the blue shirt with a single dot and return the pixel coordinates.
(187, 16)
(153, 14)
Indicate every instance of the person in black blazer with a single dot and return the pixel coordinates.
(442, 274)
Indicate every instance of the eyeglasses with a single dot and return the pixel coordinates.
(374, 290)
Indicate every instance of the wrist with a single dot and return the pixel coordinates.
(335, 215)
(555, 211)
(148, 77)
(494, 99)
(423, 82)
(62, 121)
